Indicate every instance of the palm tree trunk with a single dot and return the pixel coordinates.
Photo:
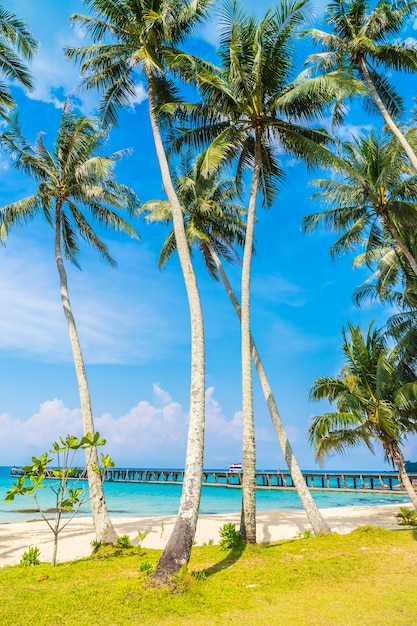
(394, 452)
(387, 118)
(399, 241)
(178, 549)
(102, 524)
(318, 524)
(248, 518)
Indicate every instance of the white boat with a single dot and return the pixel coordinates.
(235, 467)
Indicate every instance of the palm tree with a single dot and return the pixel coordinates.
(375, 189)
(252, 111)
(214, 224)
(128, 36)
(375, 401)
(16, 41)
(394, 284)
(360, 43)
(71, 178)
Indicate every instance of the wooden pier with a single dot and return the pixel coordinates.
(383, 481)
(372, 481)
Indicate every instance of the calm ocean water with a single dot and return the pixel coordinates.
(147, 500)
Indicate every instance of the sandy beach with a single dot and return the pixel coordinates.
(75, 539)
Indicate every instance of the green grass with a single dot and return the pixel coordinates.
(367, 578)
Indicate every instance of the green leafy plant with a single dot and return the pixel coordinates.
(124, 542)
(96, 545)
(62, 478)
(142, 536)
(229, 536)
(406, 517)
(30, 557)
(146, 567)
(307, 534)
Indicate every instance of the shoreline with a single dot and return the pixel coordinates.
(75, 540)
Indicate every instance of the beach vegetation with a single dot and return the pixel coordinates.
(365, 42)
(375, 401)
(306, 534)
(146, 567)
(321, 581)
(17, 45)
(96, 545)
(62, 478)
(229, 536)
(30, 557)
(73, 179)
(124, 542)
(406, 516)
(142, 534)
(371, 199)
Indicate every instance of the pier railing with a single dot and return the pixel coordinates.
(349, 481)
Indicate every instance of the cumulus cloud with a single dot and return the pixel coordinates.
(150, 434)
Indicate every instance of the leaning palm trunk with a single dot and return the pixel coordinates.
(314, 516)
(400, 243)
(248, 519)
(103, 527)
(393, 452)
(178, 549)
(387, 118)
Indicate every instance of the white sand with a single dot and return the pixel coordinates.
(75, 539)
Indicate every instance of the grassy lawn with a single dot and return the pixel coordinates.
(368, 577)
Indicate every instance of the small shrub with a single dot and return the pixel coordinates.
(142, 536)
(146, 567)
(96, 545)
(30, 557)
(406, 517)
(124, 542)
(307, 534)
(229, 536)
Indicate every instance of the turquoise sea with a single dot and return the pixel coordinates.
(149, 500)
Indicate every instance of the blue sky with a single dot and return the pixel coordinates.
(133, 320)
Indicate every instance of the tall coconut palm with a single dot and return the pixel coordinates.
(252, 111)
(71, 179)
(16, 45)
(366, 43)
(143, 35)
(374, 401)
(374, 188)
(214, 225)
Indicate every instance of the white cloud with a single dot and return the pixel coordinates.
(347, 132)
(147, 435)
(160, 395)
(140, 95)
(216, 422)
(21, 439)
